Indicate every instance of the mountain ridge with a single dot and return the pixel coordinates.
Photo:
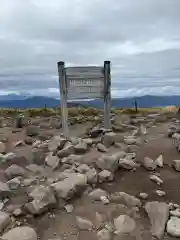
(146, 101)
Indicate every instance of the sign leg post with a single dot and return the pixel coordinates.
(107, 94)
(63, 97)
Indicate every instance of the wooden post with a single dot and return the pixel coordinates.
(107, 94)
(63, 97)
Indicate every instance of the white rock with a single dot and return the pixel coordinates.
(156, 179)
(106, 176)
(104, 234)
(109, 139)
(160, 193)
(129, 140)
(4, 221)
(176, 165)
(124, 225)
(43, 199)
(104, 200)
(149, 164)
(96, 194)
(159, 161)
(67, 188)
(69, 208)
(143, 196)
(101, 147)
(175, 213)
(126, 199)
(158, 213)
(52, 161)
(173, 227)
(14, 183)
(110, 162)
(127, 164)
(84, 224)
(20, 233)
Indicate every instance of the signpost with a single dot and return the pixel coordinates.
(90, 82)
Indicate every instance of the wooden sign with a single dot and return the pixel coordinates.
(87, 82)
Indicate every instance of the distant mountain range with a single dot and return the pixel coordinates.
(18, 101)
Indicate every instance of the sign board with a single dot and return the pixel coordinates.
(84, 83)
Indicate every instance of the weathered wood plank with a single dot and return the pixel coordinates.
(63, 97)
(89, 70)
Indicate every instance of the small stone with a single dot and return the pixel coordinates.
(175, 213)
(105, 176)
(126, 199)
(81, 147)
(104, 234)
(68, 187)
(104, 200)
(84, 224)
(156, 179)
(96, 194)
(143, 196)
(160, 193)
(69, 208)
(124, 225)
(99, 221)
(101, 147)
(109, 139)
(43, 199)
(159, 161)
(176, 165)
(52, 161)
(149, 164)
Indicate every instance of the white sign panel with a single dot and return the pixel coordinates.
(85, 82)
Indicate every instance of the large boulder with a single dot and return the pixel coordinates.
(67, 188)
(20, 233)
(126, 199)
(15, 171)
(158, 213)
(66, 151)
(110, 162)
(43, 199)
(32, 130)
(4, 221)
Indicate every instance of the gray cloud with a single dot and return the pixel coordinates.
(141, 38)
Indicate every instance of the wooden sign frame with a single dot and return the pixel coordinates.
(63, 87)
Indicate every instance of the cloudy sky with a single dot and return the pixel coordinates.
(141, 38)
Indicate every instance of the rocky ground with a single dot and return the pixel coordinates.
(100, 184)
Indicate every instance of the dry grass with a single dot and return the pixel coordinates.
(33, 112)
